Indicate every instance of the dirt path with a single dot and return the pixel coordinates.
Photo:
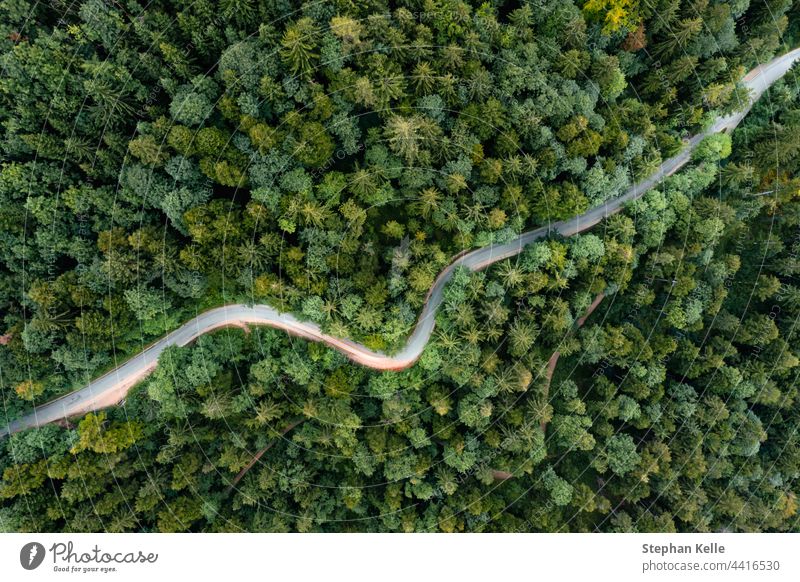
(551, 368)
(551, 363)
(112, 387)
(260, 453)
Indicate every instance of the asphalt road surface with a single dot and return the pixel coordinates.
(112, 387)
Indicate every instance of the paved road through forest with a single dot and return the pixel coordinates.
(112, 387)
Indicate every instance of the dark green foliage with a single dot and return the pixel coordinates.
(160, 158)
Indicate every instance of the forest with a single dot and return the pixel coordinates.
(329, 159)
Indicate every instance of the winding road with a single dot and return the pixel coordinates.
(112, 387)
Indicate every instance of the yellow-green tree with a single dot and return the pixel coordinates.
(614, 14)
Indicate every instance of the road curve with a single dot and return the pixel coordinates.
(112, 387)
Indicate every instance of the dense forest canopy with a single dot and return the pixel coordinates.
(329, 159)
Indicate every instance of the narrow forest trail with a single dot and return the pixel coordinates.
(112, 387)
(553, 361)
